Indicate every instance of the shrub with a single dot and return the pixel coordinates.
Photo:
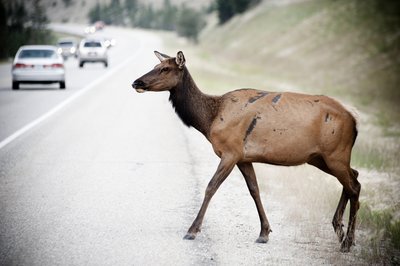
(189, 24)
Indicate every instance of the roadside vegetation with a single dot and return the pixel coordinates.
(22, 24)
(184, 20)
(349, 50)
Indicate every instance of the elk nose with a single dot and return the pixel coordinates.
(137, 84)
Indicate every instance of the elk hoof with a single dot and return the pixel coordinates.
(339, 232)
(346, 244)
(340, 235)
(262, 239)
(189, 236)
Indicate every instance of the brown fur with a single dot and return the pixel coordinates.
(246, 126)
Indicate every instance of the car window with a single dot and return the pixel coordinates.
(92, 44)
(65, 43)
(37, 53)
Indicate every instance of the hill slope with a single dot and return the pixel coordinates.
(347, 48)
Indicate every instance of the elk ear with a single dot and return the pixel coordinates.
(161, 56)
(180, 60)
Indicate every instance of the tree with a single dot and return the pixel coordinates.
(131, 8)
(146, 17)
(112, 13)
(225, 10)
(189, 24)
(115, 13)
(185, 21)
(38, 20)
(67, 3)
(95, 13)
(228, 8)
(20, 26)
(168, 16)
(3, 29)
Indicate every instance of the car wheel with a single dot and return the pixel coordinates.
(15, 85)
(105, 64)
(62, 84)
(81, 64)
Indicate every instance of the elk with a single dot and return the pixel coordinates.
(248, 126)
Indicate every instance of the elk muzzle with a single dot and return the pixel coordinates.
(139, 86)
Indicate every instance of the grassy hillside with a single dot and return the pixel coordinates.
(344, 47)
(348, 49)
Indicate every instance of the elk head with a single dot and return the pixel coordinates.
(165, 76)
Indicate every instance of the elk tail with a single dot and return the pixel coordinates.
(356, 117)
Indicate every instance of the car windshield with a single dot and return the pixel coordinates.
(37, 53)
(65, 43)
(92, 44)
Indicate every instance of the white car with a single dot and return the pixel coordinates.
(67, 48)
(38, 64)
(92, 51)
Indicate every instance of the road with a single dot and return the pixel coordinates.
(112, 177)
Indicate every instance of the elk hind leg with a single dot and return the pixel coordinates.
(338, 217)
(354, 193)
(251, 181)
(337, 220)
(224, 169)
(351, 191)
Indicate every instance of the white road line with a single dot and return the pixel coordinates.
(73, 97)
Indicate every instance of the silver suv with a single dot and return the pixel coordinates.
(92, 51)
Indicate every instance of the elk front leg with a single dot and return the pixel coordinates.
(223, 170)
(251, 181)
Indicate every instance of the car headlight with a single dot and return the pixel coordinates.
(72, 50)
(59, 50)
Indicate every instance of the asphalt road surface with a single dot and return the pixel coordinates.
(100, 175)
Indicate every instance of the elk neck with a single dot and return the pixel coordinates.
(193, 107)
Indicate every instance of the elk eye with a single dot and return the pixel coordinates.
(165, 69)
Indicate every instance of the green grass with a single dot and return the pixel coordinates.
(368, 157)
(385, 236)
